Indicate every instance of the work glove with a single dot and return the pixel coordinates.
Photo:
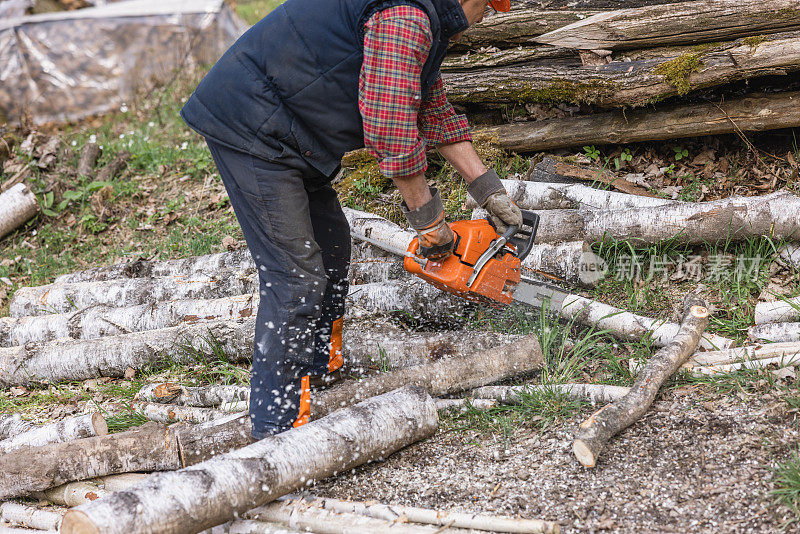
(435, 236)
(489, 193)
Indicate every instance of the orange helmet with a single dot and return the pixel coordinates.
(500, 5)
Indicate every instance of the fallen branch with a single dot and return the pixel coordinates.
(375, 229)
(17, 206)
(64, 360)
(111, 169)
(210, 493)
(213, 395)
(62, 298)
(150, 447)
(478, 404)
(753, 113)
(28, 516)
(171, 413)
(83, 426)
(770, 351)
(780, 362)
(778, 311)
(596, 393)
(689, 23)
(413, 514)
(594, 433)
(774, 332)
(446, 376)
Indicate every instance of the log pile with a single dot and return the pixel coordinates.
(653, 58)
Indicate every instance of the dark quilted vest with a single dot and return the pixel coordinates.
(291, 81)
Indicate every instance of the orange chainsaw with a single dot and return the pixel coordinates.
(486, 266)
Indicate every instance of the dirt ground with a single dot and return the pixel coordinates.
(694, 463)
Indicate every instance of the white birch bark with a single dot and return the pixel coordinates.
(414, 297)
(83, 426)
(208, 396)
(594, 433)
(549, 196)
(774, 332)
(17, 206)
(369, 264)
(769, 351)
(778, 311)
(74, 493)
(68, 359)
(171, 413)
(571, 261)
(479, 404)
(100, 321)
(119, 482)
(62, 298)
(237, 260)
(378, 231)
(428, 516)
(790, 254)
(14, 530)
(11, 425)
(791, 360)
(596, 393)
(29, 516)
(248, 526)
(214, 491)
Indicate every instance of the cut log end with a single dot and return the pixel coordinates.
(700, 312)
(99, 424)
(582, 452)
(77, 522)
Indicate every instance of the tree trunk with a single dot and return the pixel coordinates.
(208, 494)
(62, 298)
(622, 84)
(700, 21)
(89, 155)
(427, 516)
(237, 260)
(448, 375)
(778, 311)
(25, 515)
(17, 206)
(375, 229)
(547, 196)
(65, 360)
(756, 112)
(596, 393)
(774, 332)
(595, 432)
(517, 27)
(83, 426)
(11, 425)
(150, 447)
(571, 262)
(734, 218)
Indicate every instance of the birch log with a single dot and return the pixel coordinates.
(688, 22)
(11, 425)
(375, 229)
(733, 218)
(28, 516)
(83, 426)
(248, 526)
(64, 360)
(213, 395)
(17, 206)
(171, 413)
(100, 321)
(622, 84)
(62, 298)
(73, 493)
(594, 433)
(596, 393)
(725, 368)
(790, 351)
(448, 375)
(237, 260)
(778, 311)
(427, 516)
(413, 297)
(150, 447)
(755, 112)
(13, 530)
(774, 332)
(210, 493)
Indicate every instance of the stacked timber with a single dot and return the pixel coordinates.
(671, 63)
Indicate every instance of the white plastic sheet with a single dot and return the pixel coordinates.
(68, 65)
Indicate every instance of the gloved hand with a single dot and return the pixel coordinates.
(436, 239)
(489, 193)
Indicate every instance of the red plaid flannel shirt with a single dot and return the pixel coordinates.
(397, 125)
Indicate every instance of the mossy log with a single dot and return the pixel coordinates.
(204, 495)
(699, 21)
(623, 84)
(594, 433)
(756, 112)
(490, 58)
(517, 27)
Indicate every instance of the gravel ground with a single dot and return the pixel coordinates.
(698, 463)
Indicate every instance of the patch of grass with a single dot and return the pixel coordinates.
(382, 361)
(36, 399)
(786, 477)
(125, 420)
(251, 11)
(213, 364)
(746, 381)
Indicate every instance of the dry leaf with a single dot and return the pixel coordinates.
(130, 372)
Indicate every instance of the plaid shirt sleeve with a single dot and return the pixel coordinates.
(439, 122)
(397, 41)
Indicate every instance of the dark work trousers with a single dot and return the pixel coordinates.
(300, 242)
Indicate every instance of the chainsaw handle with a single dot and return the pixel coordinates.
(524, 243)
